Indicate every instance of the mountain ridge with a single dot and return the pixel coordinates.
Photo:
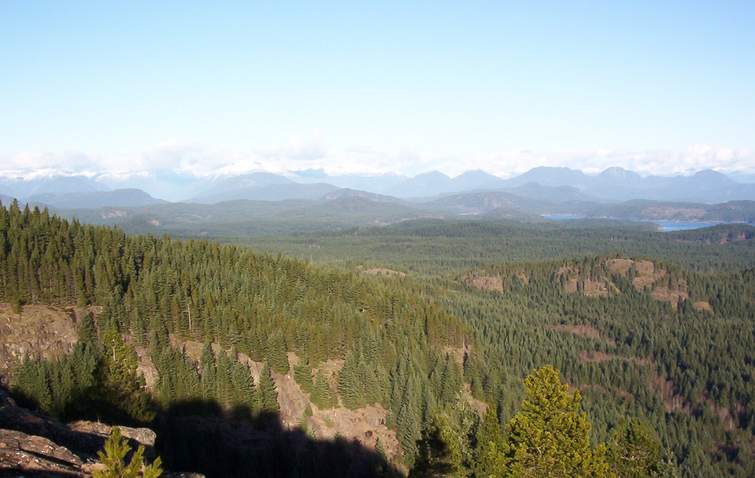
(611, 184)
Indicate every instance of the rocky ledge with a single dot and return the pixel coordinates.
(33, 445)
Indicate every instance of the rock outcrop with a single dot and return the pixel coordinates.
(35, 445)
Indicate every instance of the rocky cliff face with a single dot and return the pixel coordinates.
(34, 445)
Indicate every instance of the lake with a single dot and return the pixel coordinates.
(663, 226)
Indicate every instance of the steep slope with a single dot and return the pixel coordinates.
(259, 310)
(32, 444)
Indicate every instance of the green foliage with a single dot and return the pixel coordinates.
(359, 381)
(401, 339)
(97, 379)
(123, 386)
(322, 395)
(550, 435)
(114, 455)
(635, 451)
(439, 451)
(276, 352)
(490, 460)
(303, 375)
(267, 393)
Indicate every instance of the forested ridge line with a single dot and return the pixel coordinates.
(390, 336)
(412, 347)
(639, 337)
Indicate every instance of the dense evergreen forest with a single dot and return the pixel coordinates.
(435, 247)
(657, 355)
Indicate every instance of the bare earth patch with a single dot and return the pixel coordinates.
(146, 368)
(523, 278)
(672, 296)
(582, 330)
(478, 405)
(595, 288)
(291, 400)
(600, 357)
(647, 274)
(382, 271)
(619, 266)
(366, 425)
(620, 392)
(671, 401)
(39, 330)
(456, 353)
(481, 282)
(702, 306)
(330, 369)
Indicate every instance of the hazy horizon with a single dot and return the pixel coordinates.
(657, 89)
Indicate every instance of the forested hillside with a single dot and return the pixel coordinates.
(637, 337)
(656, 360)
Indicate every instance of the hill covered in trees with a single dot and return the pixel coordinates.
(248, 354)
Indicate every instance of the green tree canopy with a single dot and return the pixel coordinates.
(550, 436)
(113, 459)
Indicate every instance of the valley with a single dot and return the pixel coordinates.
(377, 240)
(375, 328)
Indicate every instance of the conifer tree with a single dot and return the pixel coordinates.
(123, 386)
(209, 374)
(303, 375)
(322, 395)
(490, 460)
(245, 392)
(635, 451)
(267, 392)
(350, 387)
(113, 459)
(439, 452)
(550, 436)
(276, 352)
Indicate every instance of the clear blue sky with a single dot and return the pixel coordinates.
(437, 78)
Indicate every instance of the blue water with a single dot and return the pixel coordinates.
(663, 226)
(671, 226)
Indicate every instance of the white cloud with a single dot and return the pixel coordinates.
(195, 160)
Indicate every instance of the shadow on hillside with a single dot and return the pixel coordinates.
(202, 437)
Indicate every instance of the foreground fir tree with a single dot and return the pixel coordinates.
(490, 461)
(114, 456)
(635, 451)
(550, 436)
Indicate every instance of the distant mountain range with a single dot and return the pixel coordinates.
(542, 190)
(24, 188)
(260, 187)
(96, 199)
